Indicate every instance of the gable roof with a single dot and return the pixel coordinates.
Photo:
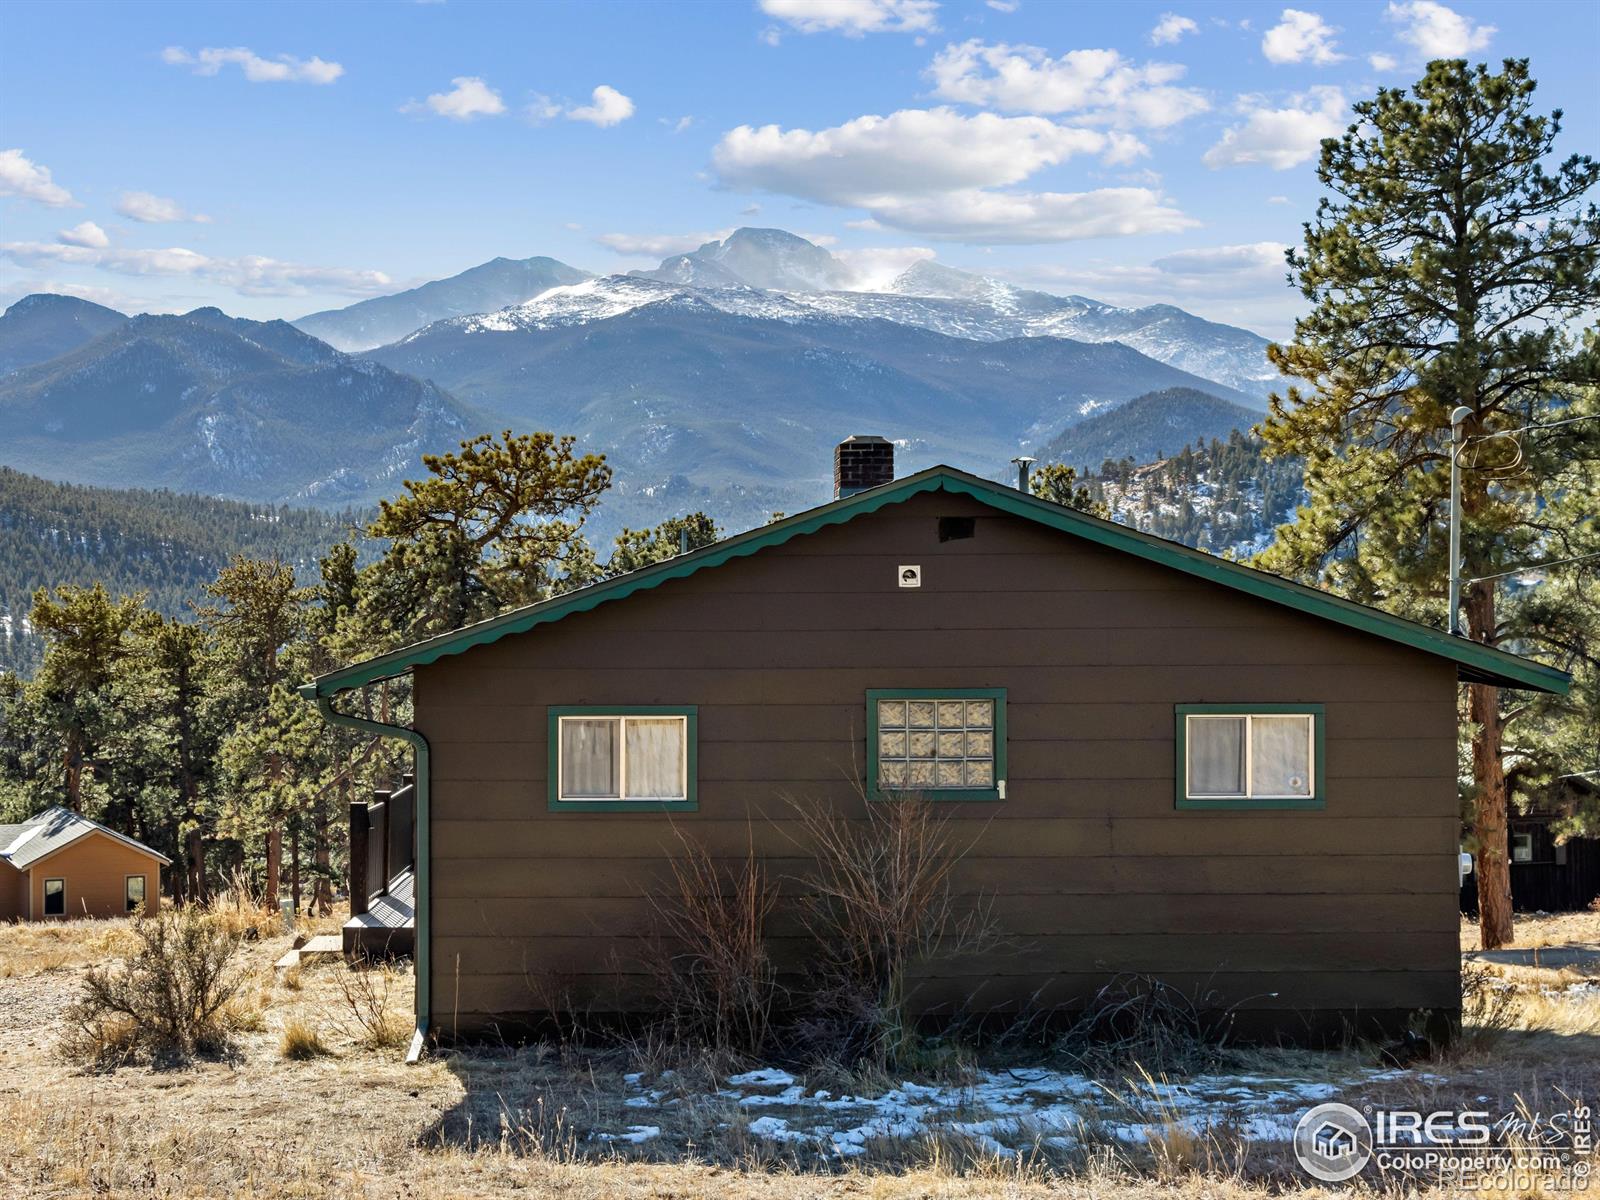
(1475, 662)
(42, 834)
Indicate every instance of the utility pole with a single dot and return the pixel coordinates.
(1458, 420)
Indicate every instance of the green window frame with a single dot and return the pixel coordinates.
(689, 802)
(995, 695)
(1245, 801)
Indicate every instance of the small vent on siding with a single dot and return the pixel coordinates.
(954, 529)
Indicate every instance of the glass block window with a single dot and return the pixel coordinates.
(945, 744)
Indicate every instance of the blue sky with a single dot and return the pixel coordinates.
(275, 159)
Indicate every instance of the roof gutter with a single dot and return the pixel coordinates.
(424, 947)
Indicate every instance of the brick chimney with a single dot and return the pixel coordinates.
(860, 462)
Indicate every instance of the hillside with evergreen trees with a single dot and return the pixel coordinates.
(1224, 496)
(163, 543)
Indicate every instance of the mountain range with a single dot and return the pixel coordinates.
(209, 403)
(719, 380)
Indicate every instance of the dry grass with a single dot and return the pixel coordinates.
(1538, 930)
(482, 1123)
(36, 948)
(302, 1041)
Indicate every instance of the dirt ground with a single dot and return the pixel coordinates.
(552, 1121)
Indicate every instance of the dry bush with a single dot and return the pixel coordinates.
(1138, 1022)
(880, 903)
(173, 988)
(368, 1016)
(302, 1041)
(711, 964)
(1489, 1008)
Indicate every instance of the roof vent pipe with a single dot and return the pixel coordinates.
(1023, 463)
(860, 462)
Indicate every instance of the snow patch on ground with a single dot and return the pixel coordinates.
(1005, 1113)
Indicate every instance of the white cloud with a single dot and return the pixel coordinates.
(678, 125)
(931, 171)
(853, 18)
(285, 68)
(154, 210)
(250, 275)
(609, 107)
(1382, 62)
(1277, 200)
(1005, 6)
(110, 297)
(1023, 218)
(86, 233)
(1301, 37)
(910, 152)
(1435, 31)
(470, 97)
(1170, 28)
(20, 176)
(1100, 85)
(1281, 137)
(1251, 258)
(1241, 284)
(658, 245)
(876, 267)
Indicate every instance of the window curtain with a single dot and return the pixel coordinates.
(655, 758)
(589, 758)
(1281, 750)
(1216, 756)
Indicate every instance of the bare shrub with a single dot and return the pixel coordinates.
(1138, 1022)
(173, 988)
(367, 990)
(880, 903)
(712, 967)
(1490, 1008)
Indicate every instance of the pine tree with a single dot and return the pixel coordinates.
(1444, 269)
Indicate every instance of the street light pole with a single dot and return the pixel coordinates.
(1458, 421)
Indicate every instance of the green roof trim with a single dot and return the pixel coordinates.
(1476, 662)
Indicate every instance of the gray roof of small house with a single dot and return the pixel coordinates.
(44, 833)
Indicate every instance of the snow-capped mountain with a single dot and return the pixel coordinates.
(483, 288)
(773, 275)
(771, 259)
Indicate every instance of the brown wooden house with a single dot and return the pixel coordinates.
(1174, 765)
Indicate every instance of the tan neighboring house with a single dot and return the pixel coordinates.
(58, 864)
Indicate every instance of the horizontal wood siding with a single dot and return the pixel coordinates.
(95, 870)
(1088, 866)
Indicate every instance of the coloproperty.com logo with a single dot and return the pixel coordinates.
(1475, 1150)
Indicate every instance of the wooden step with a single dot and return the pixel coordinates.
(327, 945)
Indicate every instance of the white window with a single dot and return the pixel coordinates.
(1250, 756)
(624, 758)
(1522, 847)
